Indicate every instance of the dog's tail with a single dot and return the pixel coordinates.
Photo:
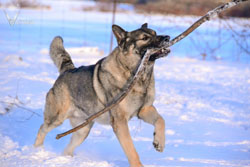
(59, 55)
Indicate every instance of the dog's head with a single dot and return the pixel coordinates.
(134, 44)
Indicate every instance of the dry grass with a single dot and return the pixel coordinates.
(29, 4)
(191, 7)
(242, 10)
(181, 7)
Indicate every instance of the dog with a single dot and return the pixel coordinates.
(80, 92)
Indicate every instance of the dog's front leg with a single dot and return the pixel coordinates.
(120, 127)
(150, 115)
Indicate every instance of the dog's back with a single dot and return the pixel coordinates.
(78, 81)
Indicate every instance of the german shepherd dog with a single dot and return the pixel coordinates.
(80, 92)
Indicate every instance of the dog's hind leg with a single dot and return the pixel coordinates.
(150, 115)
(44, 129)
(47, 127)
(77, 137)
(57, 105)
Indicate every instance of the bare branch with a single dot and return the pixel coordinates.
(145, 60)
(19, 104)
(203, 19)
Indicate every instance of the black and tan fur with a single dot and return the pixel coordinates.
(80, 92)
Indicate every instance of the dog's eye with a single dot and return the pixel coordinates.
(145, 38)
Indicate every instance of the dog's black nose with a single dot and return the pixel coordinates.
(166, 38)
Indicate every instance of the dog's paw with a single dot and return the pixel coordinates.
(38, 143)
(159, 142)
(68, 153)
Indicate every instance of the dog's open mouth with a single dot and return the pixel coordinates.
(161, 53)
(159, 46)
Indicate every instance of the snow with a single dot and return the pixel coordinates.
(27, 156)
(205, 104)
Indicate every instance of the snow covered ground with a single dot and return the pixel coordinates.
(206, 104)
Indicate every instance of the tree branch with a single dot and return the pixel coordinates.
(163, 50)
(19, 104)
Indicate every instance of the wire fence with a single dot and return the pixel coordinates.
(86, 23)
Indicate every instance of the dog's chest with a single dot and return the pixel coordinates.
(113, 83)
(141, 94)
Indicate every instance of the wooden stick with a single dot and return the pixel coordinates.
(145, 60)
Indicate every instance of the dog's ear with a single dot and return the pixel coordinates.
(145, 25)
(119, 33)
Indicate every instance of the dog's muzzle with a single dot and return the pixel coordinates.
(162, 52)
